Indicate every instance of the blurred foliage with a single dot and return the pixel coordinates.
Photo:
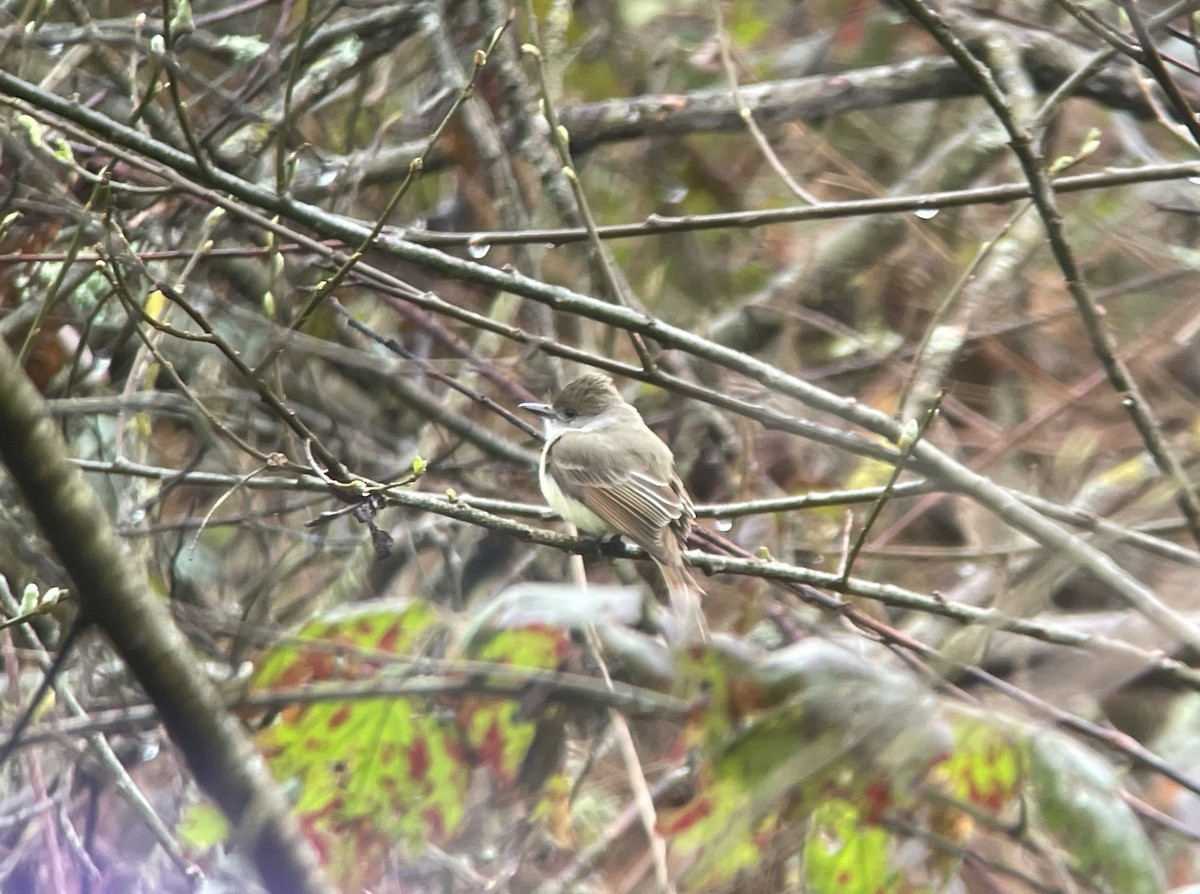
(811, 749)
(440, 705)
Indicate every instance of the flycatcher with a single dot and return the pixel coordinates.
(604, 471)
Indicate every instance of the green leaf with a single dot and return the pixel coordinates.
(1076, 797)
(32, 128)
(844, 855)
(203, 826)
(339, 645)
(369, 773)
(779, 735)
(985, 766)
(496, 730)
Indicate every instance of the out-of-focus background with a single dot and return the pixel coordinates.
(263, 258)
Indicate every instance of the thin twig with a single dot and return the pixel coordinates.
(1103, 345)
(1153, 62)
(907, 442)
(747, 114)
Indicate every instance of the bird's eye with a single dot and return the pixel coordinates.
(570, 413)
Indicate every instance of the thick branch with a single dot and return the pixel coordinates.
(113, 594)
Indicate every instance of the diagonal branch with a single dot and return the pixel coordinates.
(1033, 166)
(115, 596)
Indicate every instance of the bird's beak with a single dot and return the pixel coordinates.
(543, 410)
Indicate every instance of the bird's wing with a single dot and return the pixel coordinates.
(642, 505)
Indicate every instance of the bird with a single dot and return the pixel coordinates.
(605, 471)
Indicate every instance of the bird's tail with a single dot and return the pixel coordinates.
(684, 593)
